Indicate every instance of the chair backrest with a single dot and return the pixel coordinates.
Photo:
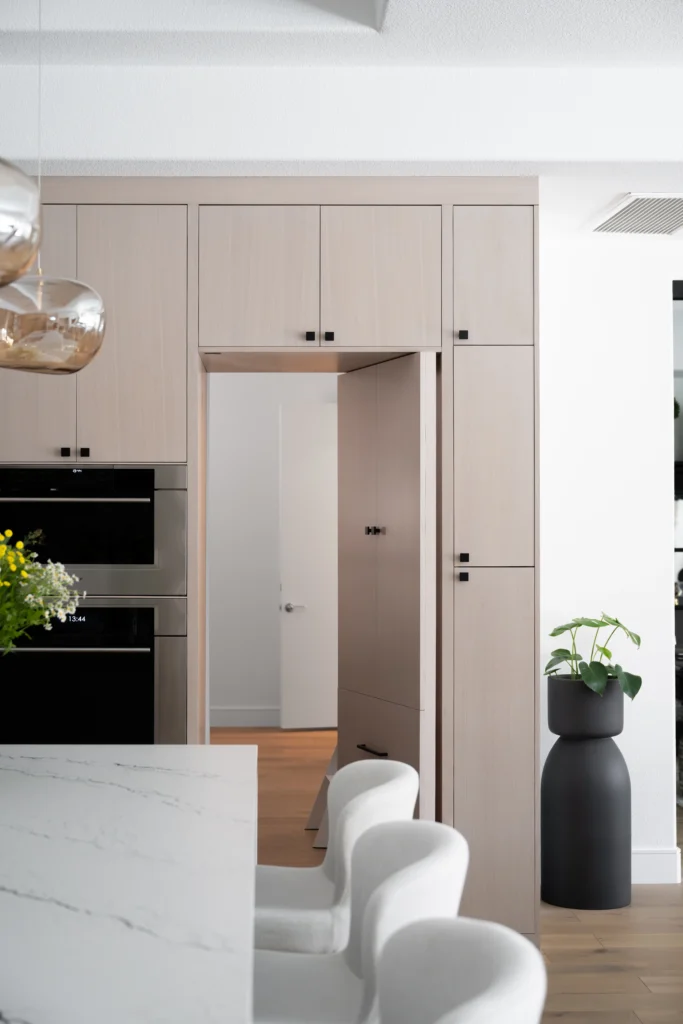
(401, 872)
(360, 795)
(460, 972)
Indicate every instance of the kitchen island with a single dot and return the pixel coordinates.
(127, 884)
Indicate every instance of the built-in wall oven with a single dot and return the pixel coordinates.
(114, 672)
(122, 530)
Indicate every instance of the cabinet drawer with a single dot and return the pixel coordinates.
(390, 729)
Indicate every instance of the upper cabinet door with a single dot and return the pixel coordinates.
(38, 411)
(494, 467)
(381, 276)
(259, 276)
(493, 265)
(132, 402)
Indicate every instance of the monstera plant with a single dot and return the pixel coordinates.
(597, 668)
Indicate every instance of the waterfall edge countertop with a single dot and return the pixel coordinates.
(127, 884)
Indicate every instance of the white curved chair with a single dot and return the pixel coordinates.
(460, 972)
(306, 910)
(400, 872)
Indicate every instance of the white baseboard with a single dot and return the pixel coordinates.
(245, 717)
(656, 867)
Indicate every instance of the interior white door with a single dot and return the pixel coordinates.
(308, 558)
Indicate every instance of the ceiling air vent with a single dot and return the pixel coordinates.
(642, 213)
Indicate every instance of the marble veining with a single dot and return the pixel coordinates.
(126, 884)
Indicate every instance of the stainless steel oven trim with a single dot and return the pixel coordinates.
(170, 660)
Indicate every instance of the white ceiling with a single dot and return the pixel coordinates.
(487, 33)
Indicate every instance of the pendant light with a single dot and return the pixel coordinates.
(19, 222)
(47, 325)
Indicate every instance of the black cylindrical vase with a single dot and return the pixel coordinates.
(585, 800)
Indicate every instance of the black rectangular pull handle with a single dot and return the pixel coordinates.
(369, 750)
(463, 577)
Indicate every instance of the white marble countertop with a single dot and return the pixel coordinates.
(127, 884)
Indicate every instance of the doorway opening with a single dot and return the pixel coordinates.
(321, 578)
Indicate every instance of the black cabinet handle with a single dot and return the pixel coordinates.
(368, 531)
(329, 335)
(369, 750)
(464, 577)
(463, 335)
(376, 530)
(310, 335)
(85, 453)
(464, 556)
(65, 452)
(372, 530)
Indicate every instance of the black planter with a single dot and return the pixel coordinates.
(585, 800)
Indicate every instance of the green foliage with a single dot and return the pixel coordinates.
(598, 669)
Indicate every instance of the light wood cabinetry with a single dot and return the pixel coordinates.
(381, 276)
(38, 411)
(259, 276)
(493, 267)
(493, 474)
(495, 742)
(132, 398)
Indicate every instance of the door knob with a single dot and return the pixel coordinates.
(289, 607)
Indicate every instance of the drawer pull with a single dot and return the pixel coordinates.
(369, 750)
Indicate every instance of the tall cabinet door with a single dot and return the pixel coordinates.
(494, 740)
(259, 276)
(37, 411)
(493, 475)
(357, 504)
(381, 276)
(493, 265)
(132, 398)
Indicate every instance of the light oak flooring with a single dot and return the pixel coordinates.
(605, 967)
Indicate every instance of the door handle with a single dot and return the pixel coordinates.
(289, 607)
(369, 750)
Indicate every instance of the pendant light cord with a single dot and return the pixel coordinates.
(40, 116)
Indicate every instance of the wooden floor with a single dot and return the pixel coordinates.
(610, 967)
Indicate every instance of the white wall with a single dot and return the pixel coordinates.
(243, 539)
(606, 359)
(136, 119)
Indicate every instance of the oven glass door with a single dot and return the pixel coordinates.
(88, 680)
(82, 516)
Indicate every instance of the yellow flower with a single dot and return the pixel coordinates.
(22, 560)
(13, 567)
(5, 583)
(24, 574)
(8, 533)
(3, 549)
(19, 545)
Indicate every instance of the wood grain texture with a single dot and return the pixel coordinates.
(357, 509)
(132, 398)
(493, 459)
(38, 411)
(646, 982)
(302, 360)
(493, 270)
(495, 753)
(379, 724)
(381, 276)
(259, 276)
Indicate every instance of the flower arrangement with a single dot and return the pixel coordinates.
(31, 593)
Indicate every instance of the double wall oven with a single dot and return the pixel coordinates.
(116, 670)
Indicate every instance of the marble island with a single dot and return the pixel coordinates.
(127, 884)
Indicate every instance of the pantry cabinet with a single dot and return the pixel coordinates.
(259, 274)
(349, 277)
(493, 472)
(494, 742)
(132, 398)
(129, 404)
(381, 276)
(38, 411)
(493, 266)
